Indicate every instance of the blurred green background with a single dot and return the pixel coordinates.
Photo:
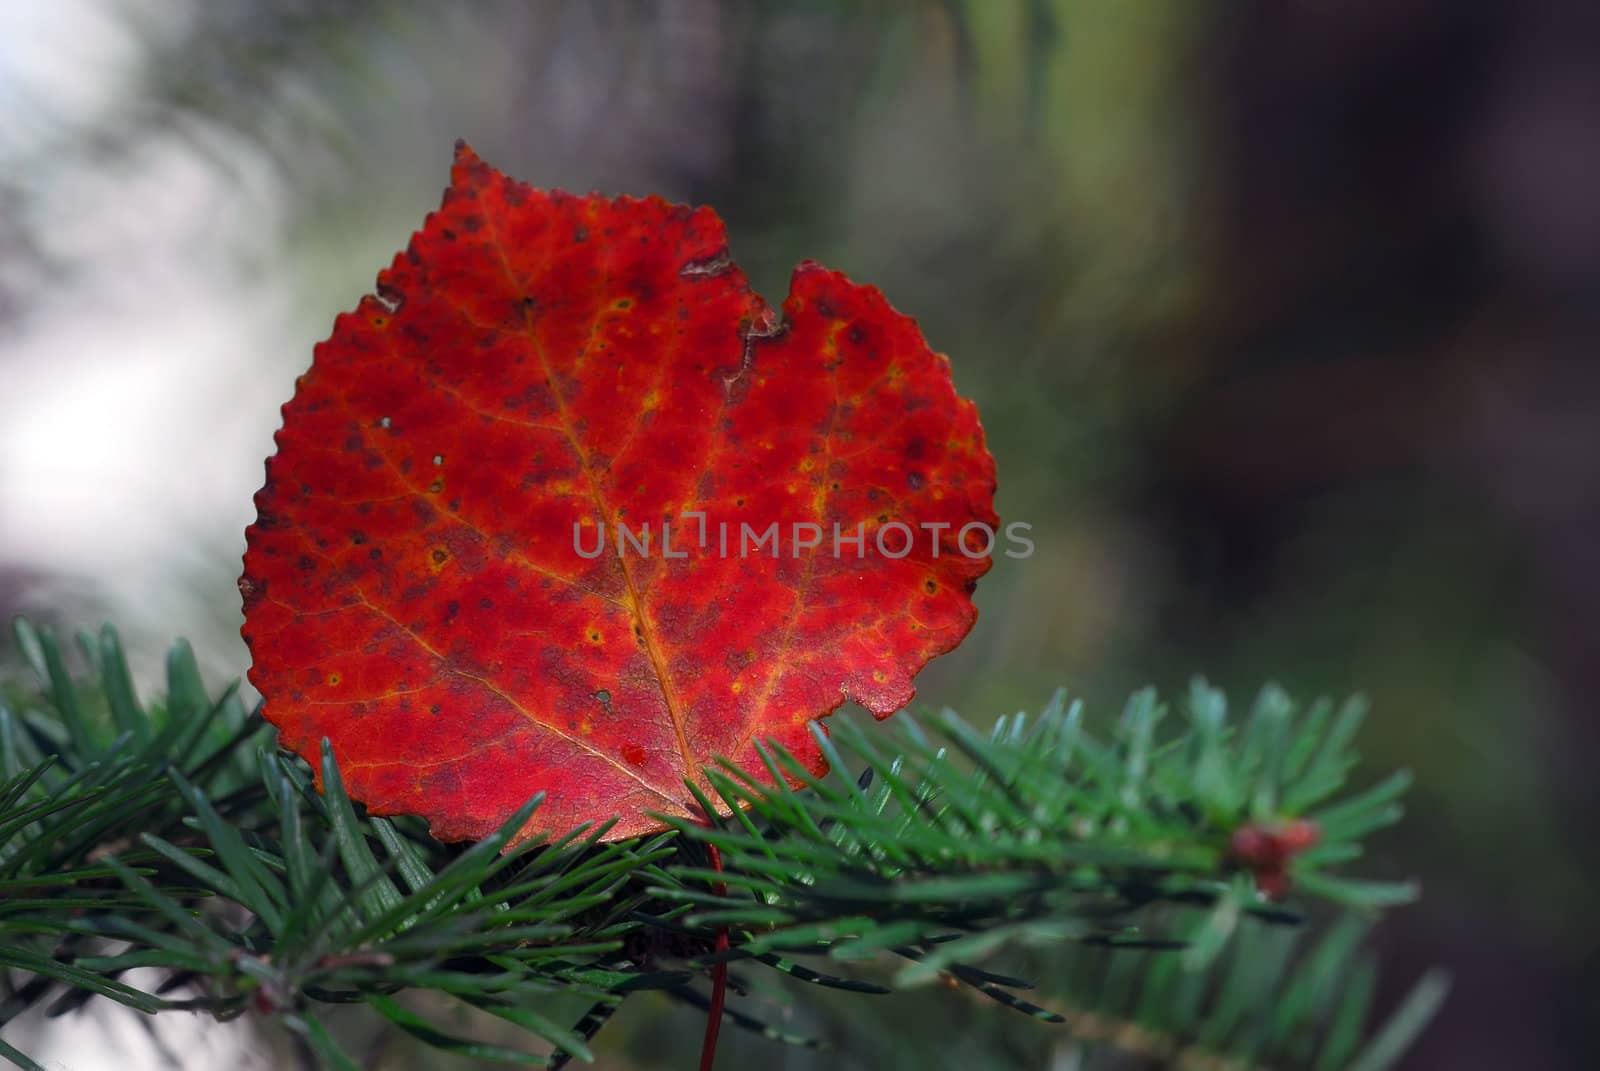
(1280, 317)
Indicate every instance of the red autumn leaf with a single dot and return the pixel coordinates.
(536, 368)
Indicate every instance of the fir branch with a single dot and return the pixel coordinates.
(173, 837)
(1037, 832)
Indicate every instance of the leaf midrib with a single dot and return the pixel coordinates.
(646, 632)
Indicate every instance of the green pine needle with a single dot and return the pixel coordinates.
(1100, 873)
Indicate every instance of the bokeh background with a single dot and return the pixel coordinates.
(1281, 316)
